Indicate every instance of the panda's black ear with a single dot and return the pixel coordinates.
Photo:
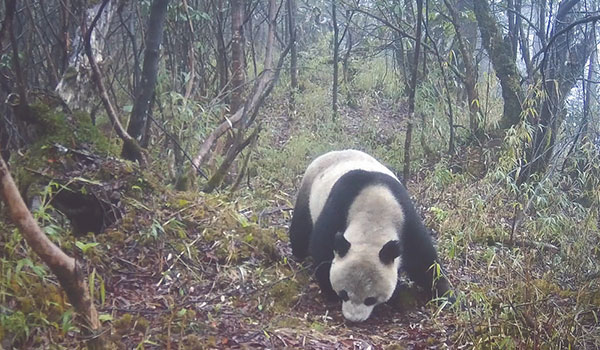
(390, 251)
(341, 245)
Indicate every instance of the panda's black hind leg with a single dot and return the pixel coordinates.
(301, 225)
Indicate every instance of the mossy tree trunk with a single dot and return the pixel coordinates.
(501, 55)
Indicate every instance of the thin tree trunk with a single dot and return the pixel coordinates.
(412, 92)
(336, 53)
(451, 149)
(65, 268)
(237, 55)
(292, 10)
(470, 73)
(139, 114)
(587, 87)
(346, 59)
(108, 106)
(221, 53)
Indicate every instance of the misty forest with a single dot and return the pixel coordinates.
(152, 150)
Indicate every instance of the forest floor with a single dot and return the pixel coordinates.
(189, 270)
(229, 280)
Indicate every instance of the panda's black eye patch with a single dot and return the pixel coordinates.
(370, 301)
(344, 295)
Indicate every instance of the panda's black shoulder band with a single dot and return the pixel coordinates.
(341, 244)
(390, 251)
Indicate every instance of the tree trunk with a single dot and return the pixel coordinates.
(412, 92)
(237, 55)
(292, 10)
(65, 268)
(513, 33)
(336, 53)
(154, 34)
(500, 53)
(221, 53)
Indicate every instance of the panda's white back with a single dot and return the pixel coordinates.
(374, 218)
(324, 171)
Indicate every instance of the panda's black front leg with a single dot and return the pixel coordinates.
(420, 262)
(301, 227)
(322, 275)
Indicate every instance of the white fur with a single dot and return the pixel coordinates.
(328, 168)
(374, 218)
(356, 312)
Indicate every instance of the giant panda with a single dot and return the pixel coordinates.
(356, 220)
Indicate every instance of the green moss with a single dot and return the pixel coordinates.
(73, 130)
(70, 130)
(123, 325)
(284, 294)
(141, 324)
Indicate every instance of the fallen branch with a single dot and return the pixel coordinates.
(66, 268)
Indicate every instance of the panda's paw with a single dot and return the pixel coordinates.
(330, 297)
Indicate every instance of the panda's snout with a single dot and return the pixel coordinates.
(356, 313)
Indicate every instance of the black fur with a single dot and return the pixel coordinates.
(390, 251)
(301, 225)
(418, 253)
(341, 244)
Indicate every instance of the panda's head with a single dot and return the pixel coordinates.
(362, 276)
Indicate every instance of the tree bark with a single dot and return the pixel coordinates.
(292, 10)
(336, 53)
(412, 92)
(65, 268)
(237, 55)
(222, 62)
(141, 106)
(500, 53)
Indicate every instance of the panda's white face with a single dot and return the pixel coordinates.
(362, 281)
